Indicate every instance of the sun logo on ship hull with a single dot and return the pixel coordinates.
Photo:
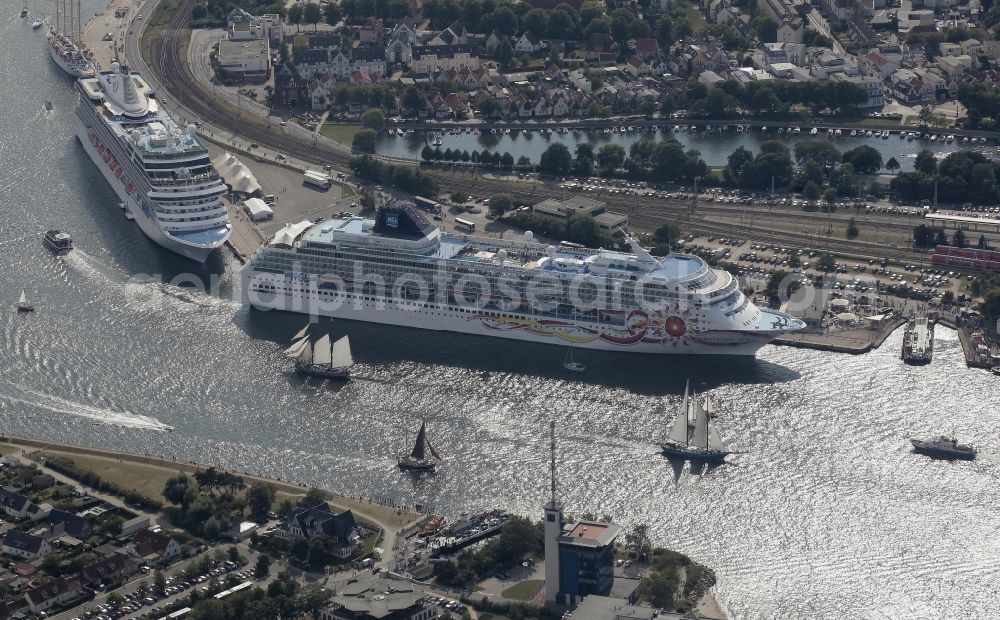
(675, 326)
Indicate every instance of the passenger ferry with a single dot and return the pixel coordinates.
(161, 173)
(399, 269)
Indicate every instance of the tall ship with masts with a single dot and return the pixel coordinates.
(321, 356)
(399, 269)
(65, 39)
(693, 436)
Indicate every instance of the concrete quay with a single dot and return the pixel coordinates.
(104, 22)
(853, 341)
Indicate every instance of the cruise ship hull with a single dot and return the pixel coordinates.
(146, 221)
(561, 333)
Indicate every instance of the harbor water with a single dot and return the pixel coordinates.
(826, 513)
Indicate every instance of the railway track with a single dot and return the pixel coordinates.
(167, 61)
(649, 214)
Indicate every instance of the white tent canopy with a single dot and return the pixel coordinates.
(839, 303)
(258, 209)
(236, 174)
(287, 235)
(847, 317)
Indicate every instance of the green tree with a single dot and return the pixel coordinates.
(610, 157)
(864, 158)
(638, 541)
(983, 245)
(658, 588)
(262, 567)
(826, 263)
(811, 191)
(312, 14)
(940, 238)
(830, 196)
(925, 162)
(892, 164)
(294, 15)
(665, 32)
(500, 204)
(505, 53)
(159, 581)
(584, 160)
(852, 229)
(332, 13)
(260, 498)
(505, 21)
(181, 490)
(556, 159)
(364, 141)
(822, 152)
(373, 118)
(958, 239)
(413, 99)
(535, 21)
(926, 115)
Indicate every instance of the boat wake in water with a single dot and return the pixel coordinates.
(99, 415)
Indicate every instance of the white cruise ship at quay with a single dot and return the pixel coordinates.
(161, 173)
(399, 269)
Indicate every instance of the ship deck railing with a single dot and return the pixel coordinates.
(192, 180)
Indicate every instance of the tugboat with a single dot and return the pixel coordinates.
(417, 460)
(700, 443)
(944, 448)
(320, 358)
(918, 342)
(58, 241)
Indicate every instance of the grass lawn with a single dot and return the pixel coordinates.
(387, 514)
(524, 591)
(340, 132)
(144, 479)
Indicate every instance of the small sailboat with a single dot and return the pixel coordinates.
(23, 305)
(697, 442)
(570, 365)
(321, 358)
(417, 459)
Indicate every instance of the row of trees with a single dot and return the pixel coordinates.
(962, 176)
(776, 97)
(485, 158)
(404, 178)
(666, 160)
(927, 237)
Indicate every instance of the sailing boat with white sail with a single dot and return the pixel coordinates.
(417, 458)
(692, 436)
(23, 305)
(569, 364)
(320, 358)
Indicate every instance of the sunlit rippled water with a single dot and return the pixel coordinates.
(826, 514)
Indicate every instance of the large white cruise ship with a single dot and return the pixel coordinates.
(160, 171)
(399, 269)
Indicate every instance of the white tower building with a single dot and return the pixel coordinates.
(553, 528)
